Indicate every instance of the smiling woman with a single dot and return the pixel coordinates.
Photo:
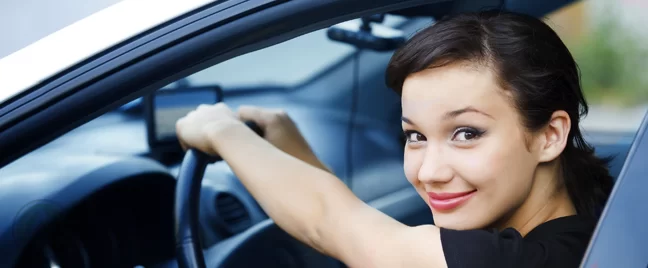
(481, 151)
(491, 105)
(538, 91)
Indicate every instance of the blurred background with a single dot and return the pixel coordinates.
(608, 39)
(23, 22)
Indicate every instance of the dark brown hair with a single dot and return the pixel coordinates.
(529, 60)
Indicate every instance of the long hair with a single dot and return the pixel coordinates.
(530, 60)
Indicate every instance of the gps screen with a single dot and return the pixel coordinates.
(171, 105)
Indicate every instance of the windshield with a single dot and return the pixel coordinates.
(260, 66)
(269, 68)
(311, 54)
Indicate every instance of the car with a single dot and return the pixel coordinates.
(89, 161)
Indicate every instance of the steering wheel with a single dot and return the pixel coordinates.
(274, 247)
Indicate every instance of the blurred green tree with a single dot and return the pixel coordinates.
(612, 61)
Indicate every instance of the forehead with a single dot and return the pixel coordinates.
(452, 87)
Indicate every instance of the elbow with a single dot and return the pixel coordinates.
(335, 203)
(317, 231)
(315, 241)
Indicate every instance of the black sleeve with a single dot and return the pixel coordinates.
(480, 248)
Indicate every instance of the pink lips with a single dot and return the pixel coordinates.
(448, 201)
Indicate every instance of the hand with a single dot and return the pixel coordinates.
(198, 129)
(281, 132)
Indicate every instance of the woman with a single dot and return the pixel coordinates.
(491, 104)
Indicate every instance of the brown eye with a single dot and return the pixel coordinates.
(466, 134)
(414, 136)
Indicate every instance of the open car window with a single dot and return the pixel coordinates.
(607, 39)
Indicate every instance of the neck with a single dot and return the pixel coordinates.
(547, 200)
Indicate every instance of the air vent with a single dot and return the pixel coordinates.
(232, 212)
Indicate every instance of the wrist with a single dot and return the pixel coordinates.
(229, 131)
(314, 161)
(302, 152)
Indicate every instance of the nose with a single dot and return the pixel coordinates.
(435, 167)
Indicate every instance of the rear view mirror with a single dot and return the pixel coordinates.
(367, 33)
(164, 107)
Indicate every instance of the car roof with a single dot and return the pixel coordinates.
(85, 38)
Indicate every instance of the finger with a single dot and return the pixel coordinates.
(223, 109)
(203, 107)
(179, 125)
(267, 116)
(190, 114)
(275, 114)
(183, 145)
(252, 113)
(221, 105)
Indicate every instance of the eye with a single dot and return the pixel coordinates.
(413, 136)
(464, 134)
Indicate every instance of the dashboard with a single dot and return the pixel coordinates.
(129, 223)
(96, 198)
(72, 204)
(116, 226)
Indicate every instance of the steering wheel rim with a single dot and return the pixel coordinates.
(187, 198)
(285, 251)
(186, 208)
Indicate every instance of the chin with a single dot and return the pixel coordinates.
(457, 221)
(454, 224)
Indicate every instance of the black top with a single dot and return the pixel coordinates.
(557, 243)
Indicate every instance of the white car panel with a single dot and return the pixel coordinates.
(85, 38)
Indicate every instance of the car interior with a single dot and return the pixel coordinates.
(102, 194)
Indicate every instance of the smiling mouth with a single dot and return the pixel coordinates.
(448, 201)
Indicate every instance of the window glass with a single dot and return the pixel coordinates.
(608, 40)
(287, 64)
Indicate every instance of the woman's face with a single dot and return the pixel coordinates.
(466, 153)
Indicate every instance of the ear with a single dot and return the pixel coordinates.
(554, 136)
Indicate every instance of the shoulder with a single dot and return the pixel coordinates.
(557, 243)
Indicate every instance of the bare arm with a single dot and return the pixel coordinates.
(318, 209)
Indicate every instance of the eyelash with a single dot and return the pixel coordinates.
(408, 134)
(477, 133)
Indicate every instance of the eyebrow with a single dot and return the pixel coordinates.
(469, 109)
(406, 120)
(452, 114)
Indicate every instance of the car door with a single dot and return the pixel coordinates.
(621, 235)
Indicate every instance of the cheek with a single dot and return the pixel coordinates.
(494, 163)
(476, 167)
(480, 167)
